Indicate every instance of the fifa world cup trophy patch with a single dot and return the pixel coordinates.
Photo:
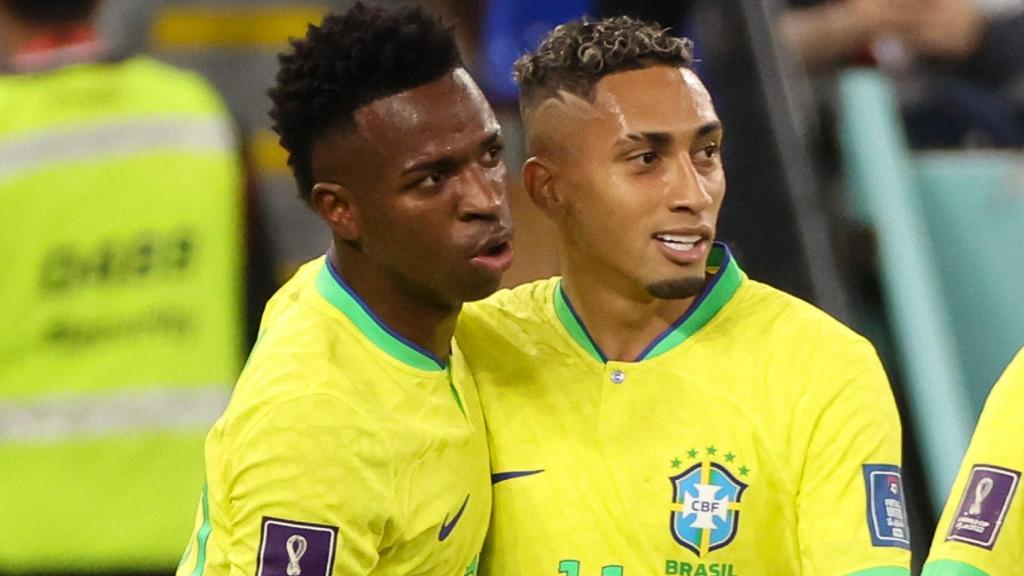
(983, 505)
(887, 508)
(290, 548)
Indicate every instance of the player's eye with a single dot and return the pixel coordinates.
(644, 159)
(430, 181)
(493, 155)
(709, 151)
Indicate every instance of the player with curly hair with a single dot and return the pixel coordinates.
(354, 442)
(654, 410)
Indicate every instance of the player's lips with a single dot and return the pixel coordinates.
(684, 245)
(494, 252)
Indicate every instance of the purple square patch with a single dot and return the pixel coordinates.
(983, 505)
(290, 548)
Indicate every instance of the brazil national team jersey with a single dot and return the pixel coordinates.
(344, 450)
(755, 437)
(981, 532)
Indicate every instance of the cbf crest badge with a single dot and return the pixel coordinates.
(706, 502)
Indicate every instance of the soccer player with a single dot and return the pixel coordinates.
(981, 531)
(655, 411)
(354, 442)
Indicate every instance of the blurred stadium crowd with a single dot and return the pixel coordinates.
(874, 160)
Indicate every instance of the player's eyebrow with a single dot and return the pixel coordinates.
(708, 128)
(661, 139)
(657, 139)
(449, 161)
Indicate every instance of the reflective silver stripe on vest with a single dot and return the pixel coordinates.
(58, 418)
(41, 148)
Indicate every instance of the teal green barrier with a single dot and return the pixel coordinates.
(882, 180)
(974, 206)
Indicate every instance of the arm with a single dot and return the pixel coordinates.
(308, 484)
(982, 527)
(850, 507)
(833, 33)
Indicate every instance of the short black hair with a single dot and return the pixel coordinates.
(51, 11)
(345, 63)
(575, 56)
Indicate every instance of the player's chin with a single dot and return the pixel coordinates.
(476, 284)
(678, 288)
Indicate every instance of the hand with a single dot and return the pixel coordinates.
(950, 29)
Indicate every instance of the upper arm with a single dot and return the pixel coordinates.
(982, 525)
(850, 505)
(311, 479)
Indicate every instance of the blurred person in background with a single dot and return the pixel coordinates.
(354, 442)
(981, 531)
(654, 410)
(958, 61)
(121, 299)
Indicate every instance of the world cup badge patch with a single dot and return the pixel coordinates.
(887, 516)
(290, 548)
(706, 500)
(983, 505)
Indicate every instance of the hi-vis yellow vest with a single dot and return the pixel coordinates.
(120, 310)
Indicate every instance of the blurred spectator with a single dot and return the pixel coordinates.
(121, 196)
(959, 64)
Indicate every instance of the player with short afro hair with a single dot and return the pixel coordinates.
(347, 62)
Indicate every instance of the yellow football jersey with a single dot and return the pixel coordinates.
(981, 531)
(345, 450)
(755, 437)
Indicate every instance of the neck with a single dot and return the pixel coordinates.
(29, 46)
(623, 319)
(427, 324)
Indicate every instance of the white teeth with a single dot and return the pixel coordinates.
(678, 242)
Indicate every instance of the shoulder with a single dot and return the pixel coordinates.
(785, 317)
(523, 305)
(803, 345)
(177, 85)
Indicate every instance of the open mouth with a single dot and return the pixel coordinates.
(496, 250)
(494, 255)
(679, 242)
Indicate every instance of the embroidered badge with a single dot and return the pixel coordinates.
(706, 501)
(983, 505)
(290, 548)
(887, 516)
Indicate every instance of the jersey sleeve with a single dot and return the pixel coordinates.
(851, 510)
(310, 491)
(981, 530)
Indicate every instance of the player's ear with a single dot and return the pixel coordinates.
(539, 182)
(333, 202)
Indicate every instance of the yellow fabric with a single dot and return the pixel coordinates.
(997, 443)
(121, 289)
(786, 399)
(327, 428)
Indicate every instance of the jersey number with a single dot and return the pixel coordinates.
(572, 568)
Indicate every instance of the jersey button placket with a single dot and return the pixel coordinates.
(617, 376)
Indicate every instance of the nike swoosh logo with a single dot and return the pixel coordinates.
(502, 476)
(447, 527)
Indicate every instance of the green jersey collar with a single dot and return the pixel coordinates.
(333, 288)
(715, 294)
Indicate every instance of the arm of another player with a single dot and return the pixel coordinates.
(850, 506)
(981, 531)
(307, 488)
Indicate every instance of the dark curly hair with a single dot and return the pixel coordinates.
(576, 55)
(346, 62)
(51, 11)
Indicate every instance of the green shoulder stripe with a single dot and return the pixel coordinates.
(203, 535)
(951, 568)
